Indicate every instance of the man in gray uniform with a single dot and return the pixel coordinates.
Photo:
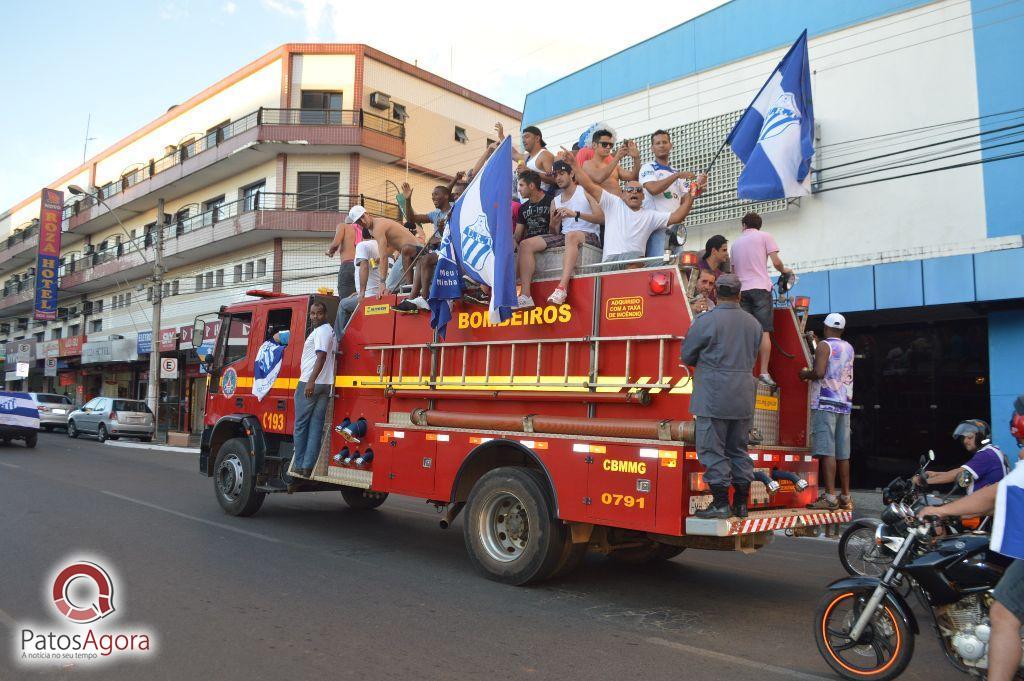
(722, 344)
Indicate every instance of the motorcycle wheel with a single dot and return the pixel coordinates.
(884, 649)
(859, 554)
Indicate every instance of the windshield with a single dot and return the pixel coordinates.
(52, 399)
(129, 405)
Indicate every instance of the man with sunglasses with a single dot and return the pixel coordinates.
(604, 168)
(628, 224)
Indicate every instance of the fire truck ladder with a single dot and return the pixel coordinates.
(431, 369)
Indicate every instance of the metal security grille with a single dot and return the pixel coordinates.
(766, 415)
(693, 147)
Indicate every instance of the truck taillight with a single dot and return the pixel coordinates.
(697, 483)
(660, 284)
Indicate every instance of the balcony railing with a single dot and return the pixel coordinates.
(15, 287)
(19, 236)
(262, 116)
(332, 203)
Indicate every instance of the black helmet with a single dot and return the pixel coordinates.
(982, 433)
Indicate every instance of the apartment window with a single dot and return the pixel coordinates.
(167, 289)
(238, 274)
(209, 279)
(128, 298)
(97, 306)
(251, 195)
(398, 112)
(56, 333)
(460, 135)
(174, 287)
(199, 282)
(220, 278)
(179, 221)
(320, 108)
(95, 326)
(249, 267)
(74, 330)
(113, 302)
(149, 294)
(215, 135)
(213, 209)
(261, 267)
(40, 337)
(318, 191)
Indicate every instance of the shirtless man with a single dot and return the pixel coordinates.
(345, 242)
(390, 236)
(604, 168)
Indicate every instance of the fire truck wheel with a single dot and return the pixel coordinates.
(570, 557)
(652, 553)
(234, 479)
(30, 440)
(511, 535)
(362, 499)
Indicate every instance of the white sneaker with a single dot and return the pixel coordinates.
(420, 303)
(558, 296)
(767, 379)
(524, 302)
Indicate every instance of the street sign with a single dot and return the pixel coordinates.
(169, 367)
(51, 367)
(21, 370)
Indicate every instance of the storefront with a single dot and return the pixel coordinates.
(19, 365)
(107, 367)
(196, 380)
(70, 380)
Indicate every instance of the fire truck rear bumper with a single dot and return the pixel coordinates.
(765, 521)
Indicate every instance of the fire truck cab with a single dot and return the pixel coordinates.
(562, 430)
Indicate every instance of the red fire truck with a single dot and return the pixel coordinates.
(564, 429)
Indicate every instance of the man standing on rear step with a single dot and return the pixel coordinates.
(722, 344)
(750, 254)
(313, 393)
(831, 401)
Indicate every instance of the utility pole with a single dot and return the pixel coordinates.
(158, 293)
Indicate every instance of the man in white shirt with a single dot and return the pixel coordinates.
(367, 283)
(627, 224)
(664, 187)
(313, 392)
(574, 221)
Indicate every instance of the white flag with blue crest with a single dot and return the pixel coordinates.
(266, 368)
(775, 135)
(1008, 529)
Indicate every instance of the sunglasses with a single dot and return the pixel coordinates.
(632, 190)
(607, 145)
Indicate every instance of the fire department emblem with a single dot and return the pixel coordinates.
(229, 382)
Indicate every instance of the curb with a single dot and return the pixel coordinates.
(158, 448)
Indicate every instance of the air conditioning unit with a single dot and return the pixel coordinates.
(380, 100)
(170, 149)
(73, 312)
(62, 313)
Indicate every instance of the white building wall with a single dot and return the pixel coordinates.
(867, 80)
(327, 72)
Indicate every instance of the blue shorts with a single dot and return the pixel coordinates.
(1010, 589)
(830, 434)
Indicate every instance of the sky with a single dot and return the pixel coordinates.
(126, 62)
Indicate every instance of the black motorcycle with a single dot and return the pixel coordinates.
(865, 629)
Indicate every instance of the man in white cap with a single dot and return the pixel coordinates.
(831, 401)
(390, 236)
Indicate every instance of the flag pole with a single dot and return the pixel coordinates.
(718, 153)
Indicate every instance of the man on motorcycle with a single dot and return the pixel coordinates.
(1006, 500)
(987, 466)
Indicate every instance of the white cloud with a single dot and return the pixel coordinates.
(173, 10)
(501, 55)
(230, 7)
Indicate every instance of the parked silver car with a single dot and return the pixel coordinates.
(112, 417)
(53, 409)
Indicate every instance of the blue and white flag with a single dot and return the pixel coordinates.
(775, 135)
(1008, 528)
(266, 368)
(18, 409)
(478, 243)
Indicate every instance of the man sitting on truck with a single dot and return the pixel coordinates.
(366, 281)
(722, 345)
(627, 224)
(423, 273)
(390, 236)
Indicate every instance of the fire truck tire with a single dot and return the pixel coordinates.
(510, 532)
(653, 553)
(570, 558)
(234, 480)
(30, 440)
(362, 499)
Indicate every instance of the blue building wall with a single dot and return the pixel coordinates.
(1006, 372)
(733, 31)
(999, 60)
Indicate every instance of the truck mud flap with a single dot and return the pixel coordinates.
(765, 521)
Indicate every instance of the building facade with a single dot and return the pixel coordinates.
(913, 232)
(255, 172)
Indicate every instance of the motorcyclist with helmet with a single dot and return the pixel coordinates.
(988, 465)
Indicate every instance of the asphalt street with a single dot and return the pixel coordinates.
(308, 589)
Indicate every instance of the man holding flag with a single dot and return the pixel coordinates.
(1006, 501)
(774, 138)
(478, 243)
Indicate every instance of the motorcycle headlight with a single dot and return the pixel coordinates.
(891, 514)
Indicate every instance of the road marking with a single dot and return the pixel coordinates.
(741, 661)
(9, 465)
(222, 526)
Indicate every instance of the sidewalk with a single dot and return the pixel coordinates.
(156, 447)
